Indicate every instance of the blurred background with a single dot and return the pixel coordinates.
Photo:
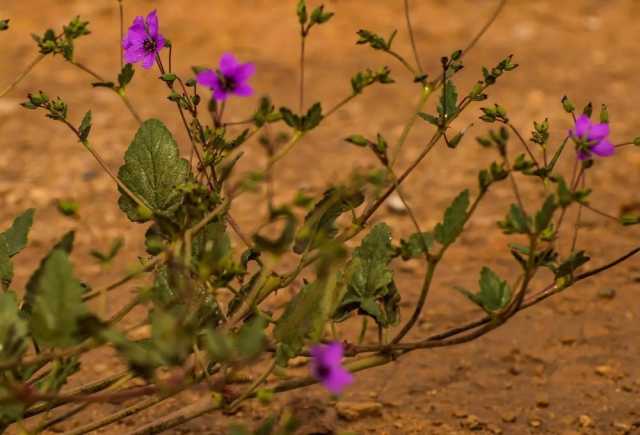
(546, 369)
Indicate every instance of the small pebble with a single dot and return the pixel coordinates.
(607, 293)
(395, 204)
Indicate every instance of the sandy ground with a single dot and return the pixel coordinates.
(570, 365)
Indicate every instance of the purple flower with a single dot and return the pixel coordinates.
(143, 41)
(326, 366)
(230, 78)
(591, 138)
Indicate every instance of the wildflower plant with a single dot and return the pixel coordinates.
(208, 299)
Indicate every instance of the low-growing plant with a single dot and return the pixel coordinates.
(210, 286)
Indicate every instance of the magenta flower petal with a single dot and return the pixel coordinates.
(137, 26)
(148, 61)
(152, 24)
(220, 94)
(582, 126)
(143, 41)
(338, 381)
(228, 64)
(598, 132)
(230, 78)
(243, 90)
(591, 138)
(604, 148)
(326, 367)
(244, 71)
(207, 78)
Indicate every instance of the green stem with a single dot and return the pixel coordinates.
(424, 97)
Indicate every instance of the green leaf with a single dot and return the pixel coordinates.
(85, 127)
(105, 258)
(4, 25)
(369, 271)
(169, 336)
(152, 169)
(305, 316)
(64, 244)
(319, 16)
(142, 356)
(516, 221)
(494, 294)
(12, 408)
(454, 219)
(313, 117)
(13, 328)
(281, 244)
(301, 11)
(319, 223)
(68, 207)
(58, 305)
(571, 264)
(358, 139)
(16, 236)
(125, 76)
(565, 196)
(6, 266)
(448, 105)
(543, 217)
(416, 245)
(291, 119)
(370, 286)
(434, 120)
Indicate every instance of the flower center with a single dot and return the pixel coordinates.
(323, 371)
(149, 45)
(227, 83)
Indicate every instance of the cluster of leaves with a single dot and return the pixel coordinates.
(62, 43)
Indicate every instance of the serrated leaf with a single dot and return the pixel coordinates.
(494, 293)
(57, 306)
(319, 223)
(370, 286)
(369, 270)
(305, 316)
(454, 219)
(543, 217)
(16, 236)
(448, 105)
(13, 328)
(516, 221)
(152, 169)
(65, 244)
(416, 245)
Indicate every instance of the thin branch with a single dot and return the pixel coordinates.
(22, 75)
(407, 15)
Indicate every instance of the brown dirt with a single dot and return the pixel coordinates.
(575, 355)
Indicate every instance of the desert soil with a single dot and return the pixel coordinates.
(570, 365)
